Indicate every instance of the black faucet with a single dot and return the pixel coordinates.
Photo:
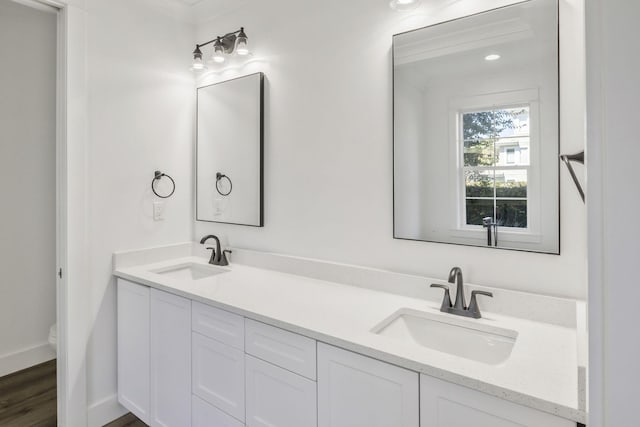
(492, 228)
(455, 277)
(218, 256)
(460, 307)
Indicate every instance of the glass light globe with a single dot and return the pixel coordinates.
(218, 52)
(242, 49)
(198, 64)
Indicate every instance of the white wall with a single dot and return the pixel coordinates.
(28, 177)
(409, 134)
(614, 229)
(141, 119)
(328, 142)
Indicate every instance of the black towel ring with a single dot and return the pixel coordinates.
(157, 176)
(219, 177)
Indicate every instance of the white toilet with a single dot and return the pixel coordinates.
(53, 336)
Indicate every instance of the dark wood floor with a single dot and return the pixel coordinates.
(128, 420)
(28, 399)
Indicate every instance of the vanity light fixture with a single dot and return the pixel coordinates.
(198, 63)
(403, 5)
(235, 41)
(492, 57)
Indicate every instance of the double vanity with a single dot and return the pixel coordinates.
(253, 339)
(281, 341)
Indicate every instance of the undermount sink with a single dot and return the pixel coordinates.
(189, 271)
(445, 333)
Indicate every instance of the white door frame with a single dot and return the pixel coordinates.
(73, 292)
(595, 214)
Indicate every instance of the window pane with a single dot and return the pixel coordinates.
(503, 122)
(511, 183)
(512, 151)
(478, 152)
(478, 209)
(512, 213)
(479, 183)
(496, 139)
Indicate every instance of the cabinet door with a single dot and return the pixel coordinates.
(205, 415)
(277, 397)
(133, 348)
(170, 360)
(444, 404)
(218, 375)
(357, 391)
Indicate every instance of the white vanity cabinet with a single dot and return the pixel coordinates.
(290, 351)
(182, 363)
(218, 359)
(277, 397)
(357, 391)
(206, 415)
(133, 348)
(154, 355)
(281, 373)
(443, 404)
(218, 375)
(170, 354)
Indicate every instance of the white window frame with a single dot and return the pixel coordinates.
(486, 102)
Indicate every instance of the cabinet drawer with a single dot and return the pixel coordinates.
(218, 375)
(282, 348)
(228, 328)
(205, 415)
(277, 397)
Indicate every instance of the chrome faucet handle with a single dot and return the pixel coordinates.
(474, 310)
(446, 301)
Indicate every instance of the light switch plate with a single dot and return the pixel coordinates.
(158, 211)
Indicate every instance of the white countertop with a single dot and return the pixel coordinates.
(542, 371)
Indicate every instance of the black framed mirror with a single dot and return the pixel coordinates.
(476, 130)
(230, 151)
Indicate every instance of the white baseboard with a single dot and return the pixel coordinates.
(104, 411)
(26, 358)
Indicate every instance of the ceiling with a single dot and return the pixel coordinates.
(189, 2)
(204, 10)
(523, 35)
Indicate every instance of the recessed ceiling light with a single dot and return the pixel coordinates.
(404, 4)
(492, 57)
